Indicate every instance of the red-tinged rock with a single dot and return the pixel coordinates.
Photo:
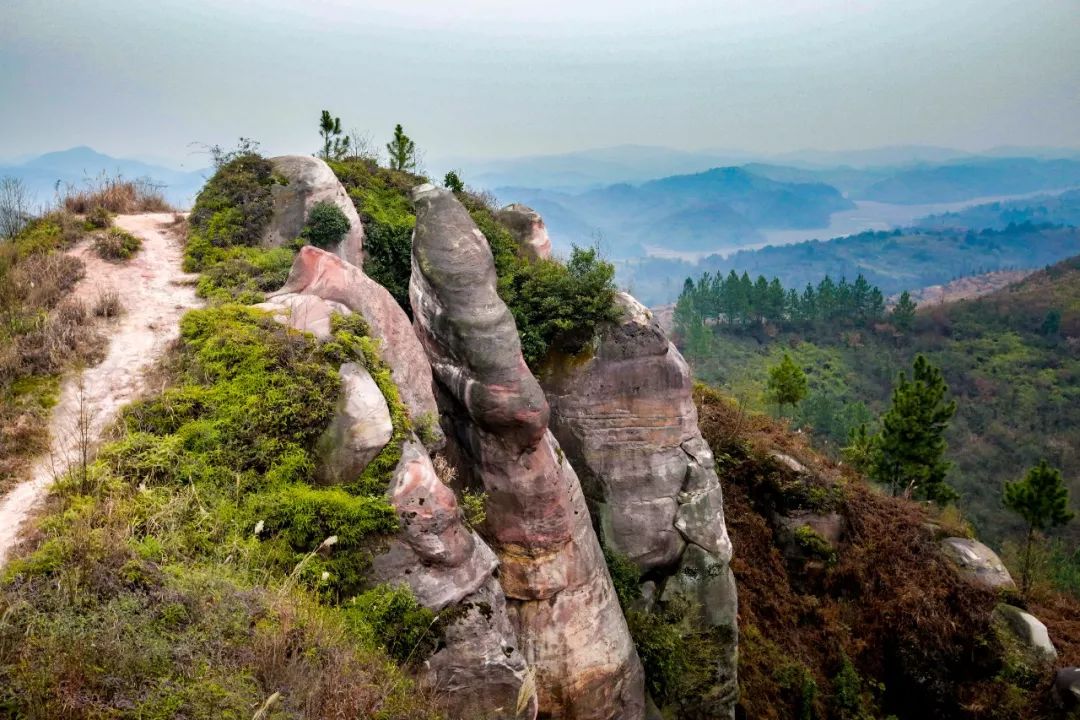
(528, 230)
(559, 595)
(479, 670)
(326, 276)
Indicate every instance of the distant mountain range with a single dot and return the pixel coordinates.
(593, 168)
(721, 207)
(45, 174)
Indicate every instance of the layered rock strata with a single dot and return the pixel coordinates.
(478, 671)
(559, 595)
(624, 414)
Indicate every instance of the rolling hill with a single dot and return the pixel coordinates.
(721, 207)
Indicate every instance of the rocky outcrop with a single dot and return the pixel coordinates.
(479, 669)
(977, 563)
(625, 416)
(325, 276)
(528, 230)
(307, 181)
(1066, 688)
(1031, 633)
(559, 596)
(306, 313)
(360, 429)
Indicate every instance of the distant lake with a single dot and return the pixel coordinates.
(866, 215)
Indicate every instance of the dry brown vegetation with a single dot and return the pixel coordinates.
(115, 195)
(42, 331)
(918, 636)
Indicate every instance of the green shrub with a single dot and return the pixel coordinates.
(625, 576)
(326, 225)
(117, 244)
(560, 307)
(395, 620)
(388, 259)
(98, 218)
(234, 208)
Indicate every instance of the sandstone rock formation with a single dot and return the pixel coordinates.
(309, 180)
(626, 419)
(977, 563)
(479, 670)
(307, 313)
(318, 273)
(559, 596)
(528, 229)
(360, 429)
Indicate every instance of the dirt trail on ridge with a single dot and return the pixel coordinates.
(154, 293)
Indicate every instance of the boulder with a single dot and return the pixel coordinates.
(560, 599)
(478, 670)
(1066, 689)
(625, 416)
(1029, 630)
(306, 313)
(528, 230)
(977, 563)
(309, 180)
(326, 276)
(360, 429)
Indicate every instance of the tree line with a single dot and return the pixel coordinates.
(737, 301)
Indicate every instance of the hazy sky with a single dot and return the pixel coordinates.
(515, 77)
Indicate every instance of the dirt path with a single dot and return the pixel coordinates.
(154, 293)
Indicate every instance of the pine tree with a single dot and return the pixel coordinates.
(787, 383)
(910, 449)
(402, 151)
(453, 182)
(903, 315)
(335, 145)
(861, 448)
(1042, 500)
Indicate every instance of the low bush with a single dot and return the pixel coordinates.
(116, 244)
(107, 304)
(98, 218)
(114, 194)
(326, 225)
(233, 209)
(41, 333)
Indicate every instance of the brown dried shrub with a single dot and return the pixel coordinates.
(918, 635)
(115, 195)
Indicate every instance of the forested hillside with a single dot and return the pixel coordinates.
(893, 260)
(1011, 360)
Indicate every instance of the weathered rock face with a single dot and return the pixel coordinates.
(977, 563)
(325, 276)
(625, 417)
(479, 670)
(360, 429)
(310, 181)
(559, 596)
(1029, 630)
(307, 313)
(528, 229)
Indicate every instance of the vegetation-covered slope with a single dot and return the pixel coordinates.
(868, 623)
(1010, 358)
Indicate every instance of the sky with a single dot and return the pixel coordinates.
(497, 78)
